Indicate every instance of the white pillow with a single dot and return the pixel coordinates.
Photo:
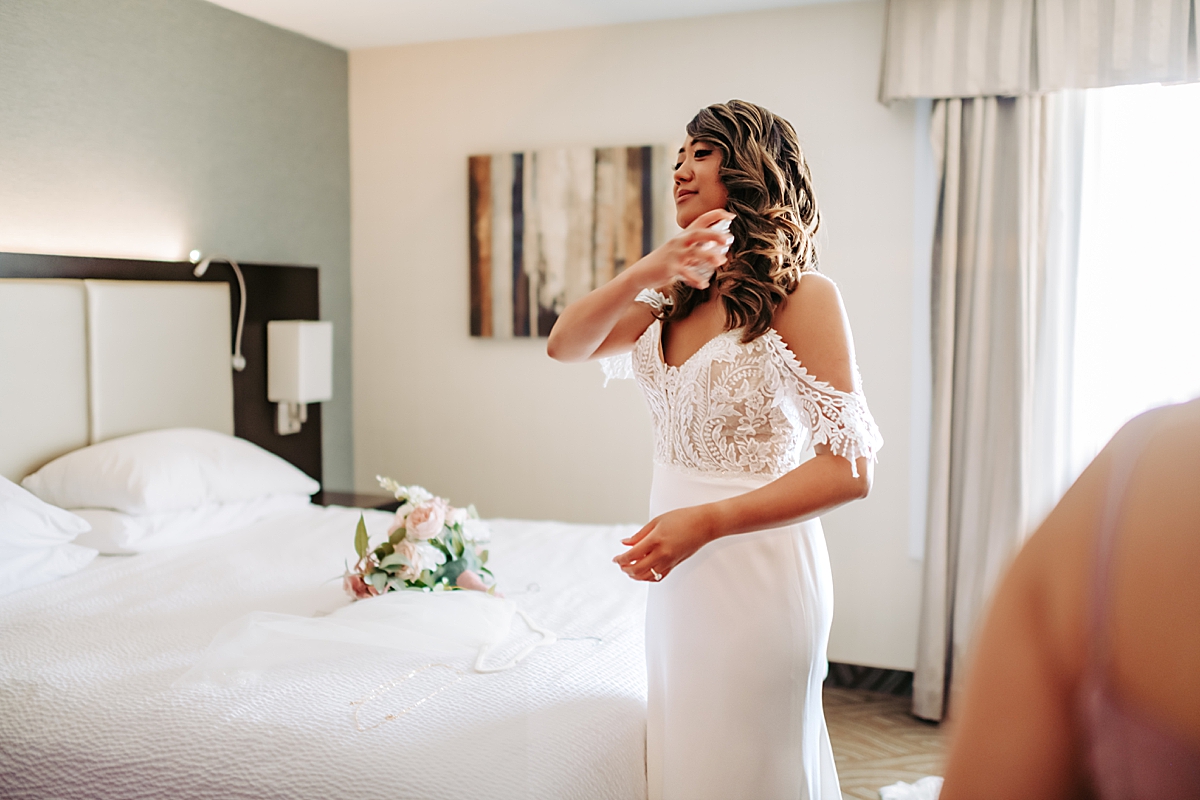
(33, 540)
(27, 522)
(166, 470)
(116, 533)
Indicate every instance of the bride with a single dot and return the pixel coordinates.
(745, 356)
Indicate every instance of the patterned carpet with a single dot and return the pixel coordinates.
(876, 741)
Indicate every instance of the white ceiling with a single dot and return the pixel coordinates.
(352, 24)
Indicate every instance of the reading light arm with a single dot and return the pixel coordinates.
(239, 361)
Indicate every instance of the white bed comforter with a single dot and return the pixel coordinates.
(87, 707)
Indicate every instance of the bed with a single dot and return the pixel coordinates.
(90, 699)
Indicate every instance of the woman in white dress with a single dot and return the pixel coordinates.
(745, 356)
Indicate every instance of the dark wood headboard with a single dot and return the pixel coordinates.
(273, 291)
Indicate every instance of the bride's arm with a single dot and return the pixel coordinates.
(605, 322)
(813, 324)
(608, 321)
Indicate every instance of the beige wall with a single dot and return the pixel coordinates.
(496, 422)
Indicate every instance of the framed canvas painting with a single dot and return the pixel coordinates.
(548, 226)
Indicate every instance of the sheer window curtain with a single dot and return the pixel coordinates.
(1007, 130)
(1003, 315)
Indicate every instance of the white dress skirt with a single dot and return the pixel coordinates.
(736, 635)
(736, 638)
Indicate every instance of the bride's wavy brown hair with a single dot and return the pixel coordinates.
(774, 232)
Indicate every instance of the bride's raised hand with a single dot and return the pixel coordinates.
(692, 255)
(665, 541)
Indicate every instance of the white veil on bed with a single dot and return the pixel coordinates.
(434, 624)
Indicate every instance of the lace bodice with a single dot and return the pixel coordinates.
(743, 408)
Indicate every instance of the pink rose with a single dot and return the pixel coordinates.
(426, 520)
(401, 517)
(356, 587)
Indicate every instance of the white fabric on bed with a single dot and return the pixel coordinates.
(24, 569)
(34, 538)
(27, 521)
(87, 664)
(432, 624)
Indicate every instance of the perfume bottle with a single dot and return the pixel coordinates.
(704, 273)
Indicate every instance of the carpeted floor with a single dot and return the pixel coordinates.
(877, 742)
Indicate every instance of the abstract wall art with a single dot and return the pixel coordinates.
(548, 226)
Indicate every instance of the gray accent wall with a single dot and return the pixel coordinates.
(147, 128)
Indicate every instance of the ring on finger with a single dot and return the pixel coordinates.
(657, 577)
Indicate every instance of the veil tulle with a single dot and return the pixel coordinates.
(432, 624)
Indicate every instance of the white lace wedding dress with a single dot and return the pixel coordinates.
(736, 635)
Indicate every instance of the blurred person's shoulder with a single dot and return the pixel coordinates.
(1158, 513)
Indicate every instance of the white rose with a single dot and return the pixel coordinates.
(421, 556)
(415, 494)
(476, 530)
(426, 520)
(457, 516)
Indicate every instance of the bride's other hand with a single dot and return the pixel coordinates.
(665, 541)
(691, 256)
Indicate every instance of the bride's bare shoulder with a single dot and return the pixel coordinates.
(813, 324)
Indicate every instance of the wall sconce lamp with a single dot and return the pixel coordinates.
(299, 369)
(239, 362)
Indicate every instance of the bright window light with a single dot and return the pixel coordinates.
(1137, 334)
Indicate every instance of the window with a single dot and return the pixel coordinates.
(1137, 333)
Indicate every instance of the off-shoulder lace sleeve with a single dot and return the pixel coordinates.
(620, 367)
(653, 298)
(838, 419)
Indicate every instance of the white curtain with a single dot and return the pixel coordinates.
(1008, 140)
(978, 48)
(1004, 258)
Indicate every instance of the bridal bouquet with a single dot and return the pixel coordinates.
(431, 546)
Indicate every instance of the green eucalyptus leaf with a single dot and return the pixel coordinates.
(394, 560)
(451, 570)
(378, 580)
(360, 537)
(397, 536)
(471, 561)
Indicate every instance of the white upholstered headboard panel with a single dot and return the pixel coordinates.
(85, 361)
(158, 356)
(43, 372)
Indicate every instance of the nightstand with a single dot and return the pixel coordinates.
(380, 502)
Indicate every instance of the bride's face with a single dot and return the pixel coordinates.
(698, 186)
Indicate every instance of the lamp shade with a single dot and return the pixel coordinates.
(299, 361)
